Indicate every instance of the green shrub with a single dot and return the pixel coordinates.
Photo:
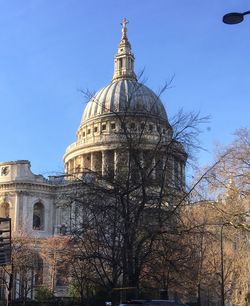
(73, 290)
(43, 293)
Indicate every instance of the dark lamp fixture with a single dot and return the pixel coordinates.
(234, 18)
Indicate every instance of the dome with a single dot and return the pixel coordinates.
(124, 96)
(122, 114)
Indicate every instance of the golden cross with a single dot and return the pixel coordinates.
(124, 23)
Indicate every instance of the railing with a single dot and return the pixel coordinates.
(101, 139)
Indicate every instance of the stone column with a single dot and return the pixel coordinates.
(179, 174)
(116, 159)
(97, 162)
(141, 159)
(104, 163)
(173, 170)
(93, 162)
(70, 166)
(18, 211)
(82, 163)
(57, 219)
(183, 175)
(120, 164)
(153, 169)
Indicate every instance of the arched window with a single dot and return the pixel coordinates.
(4, 210)
(120, 62)
(38, 216)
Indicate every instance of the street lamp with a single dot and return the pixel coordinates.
(222, 276)
(234, 18)
(222, 265)
(235, 225)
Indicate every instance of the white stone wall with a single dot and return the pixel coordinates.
(20, 189)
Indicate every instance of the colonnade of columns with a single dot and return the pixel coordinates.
(102, 162)
(112, 162)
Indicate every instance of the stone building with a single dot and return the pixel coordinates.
(124, 107)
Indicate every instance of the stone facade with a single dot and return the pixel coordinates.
(28, 199)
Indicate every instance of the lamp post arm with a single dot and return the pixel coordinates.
(234, 17)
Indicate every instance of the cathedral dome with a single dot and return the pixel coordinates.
(124, 107)
(124, 96)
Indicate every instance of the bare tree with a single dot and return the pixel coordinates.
(223, 212)
(26, 266)
(123, 212)
(55, 252)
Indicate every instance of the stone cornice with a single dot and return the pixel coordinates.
(22, 186)
(36, 187)
(15, 162)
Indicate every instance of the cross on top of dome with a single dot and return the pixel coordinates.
(124, 23)
(124, 59)
(124, 27)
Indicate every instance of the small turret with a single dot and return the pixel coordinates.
(124, 59)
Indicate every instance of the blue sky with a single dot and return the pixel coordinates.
(50, 50)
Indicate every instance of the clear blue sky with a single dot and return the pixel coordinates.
(49, 50)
